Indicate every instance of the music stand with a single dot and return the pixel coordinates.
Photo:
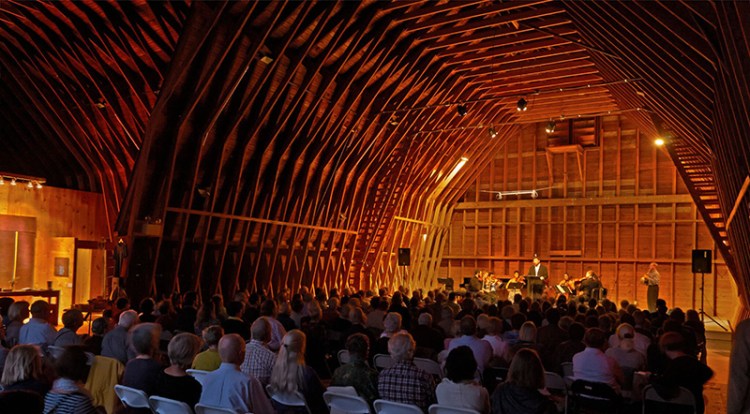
(564, 290)
(514, 285)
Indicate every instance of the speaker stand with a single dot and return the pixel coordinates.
(702, 313)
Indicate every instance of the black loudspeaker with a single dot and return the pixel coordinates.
(404, 256)
(701, 261)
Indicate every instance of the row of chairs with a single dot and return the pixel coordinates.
(135, 398)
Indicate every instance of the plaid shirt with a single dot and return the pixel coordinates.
(407, 384)
(258, 362)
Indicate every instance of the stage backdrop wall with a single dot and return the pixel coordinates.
(61, 216)
(609, 200)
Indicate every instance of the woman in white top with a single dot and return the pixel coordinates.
(458, 388)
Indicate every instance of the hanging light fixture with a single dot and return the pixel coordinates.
(30, 185)
(462, 110)
(12, 181)
(38, 185)
(521, 105)
(550, 127)
(2, 181)
(492, 132)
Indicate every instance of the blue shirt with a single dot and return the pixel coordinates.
(37, 332)
(228, 387)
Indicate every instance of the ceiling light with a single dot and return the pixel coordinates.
(550, 127)
(492, 132)
(38, 185)
(462, 110)
(522, 105)
(30, 185)
(12, 181)
(659, 142)
(2, 181)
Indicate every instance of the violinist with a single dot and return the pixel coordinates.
(517, 278)
(590, 282)
(569, 283)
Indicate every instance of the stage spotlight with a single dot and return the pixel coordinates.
(550, 127)
(12, 181)
(462, 110)
(30, 185)
(522, 105)
(2, 181)
(659, 142)
(38, 185)
(492, 132)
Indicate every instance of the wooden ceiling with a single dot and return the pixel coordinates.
(300, 143)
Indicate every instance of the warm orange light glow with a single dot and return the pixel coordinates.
(659, 142)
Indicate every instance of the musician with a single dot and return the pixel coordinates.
(568, 282)
(651, 278)
(517, 278)
(475, 284)
(539, 270)
(590, 282)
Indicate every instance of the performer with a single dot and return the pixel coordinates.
(539, 270)
(651, 278)
(475, 283)
(517, 278)
(568, 282)
(590, 282)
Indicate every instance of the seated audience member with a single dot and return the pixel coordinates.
(516, 321)
(392, 325)
(593, 365)
(38, 331)
(209, 359)
(234, 323)
(268, 309)
(427, 337)
(68, 395)
(526, 339)
(378, 312)
(494, 337)
(404, 382)
(259, 360)
(5, 303)
(285, 316)
(549, 337)
(682, 369)
(626, 355)
(693, 322)
(17, 313)
(167, 316)
(520, 392)
(482, 349)
(641, 342)
(188, 313)
(291, 375)
(142, 372)
(572, 346)
(26, 402)
(174, 383)
(72, 320)
(228, 387)
(23, 371)
(357, 373)
(116, 343)
(447, 322)
(458, 388)
(93, 343)
(358, 321)
(147, 307)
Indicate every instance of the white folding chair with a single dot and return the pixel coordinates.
(55, 351)
(445, 409)
(382, 361)
(555, 382)
(684, 397)
(391, 407)
(429, 366)
(132, 397)
(340, 403)
(198, 374)
(343, 357)
(347, 390)
(161, 405)
(288, 399)
(207, 409)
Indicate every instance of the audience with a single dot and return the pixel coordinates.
(228, 387)
(268, 309)
(626, 355)
(68, 395)
(23, 371)
(234, 323)
(116, 343)
(17, 313)
(520, 392)
(142, 372)
(72, 320)
(458, 388)
(173, 382)
(357, 373)
(93, 343)
(593, 365)
(209, 359)
(428, 339)
(291, 375)
(259, 360)
(38, 331)
(404, 382)
(482, 349)
(682, 369)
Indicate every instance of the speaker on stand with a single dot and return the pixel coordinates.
(404, 260)
(702, 265)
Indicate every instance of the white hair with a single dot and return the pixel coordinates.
(401, 346)
(128, 318)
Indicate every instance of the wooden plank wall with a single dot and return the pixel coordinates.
(633, 210)
(59, 213)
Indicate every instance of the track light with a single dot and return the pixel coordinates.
(521, 105)
(2, 181)
(550, 127)
(30, 185)
(38, 185)
(28, 181)
(462, 110)
(492, 132)
(13, 181)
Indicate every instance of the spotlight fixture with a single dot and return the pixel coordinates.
(462, 110)
(521, 105)
(30, 185)
(550, 127)
(12, 181)
(28, 181)
(659, 142)
(2, 181)
(38, 185)
(492, 132)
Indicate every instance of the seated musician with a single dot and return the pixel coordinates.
(568, 282)
(517, 278)
(590, 282)
(475, 283)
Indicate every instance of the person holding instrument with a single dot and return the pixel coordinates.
(651, 278)
(568, 283)
(517, 278)
(590, 283)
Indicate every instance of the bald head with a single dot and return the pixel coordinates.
(232, 349)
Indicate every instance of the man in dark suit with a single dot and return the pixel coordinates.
(536, 286)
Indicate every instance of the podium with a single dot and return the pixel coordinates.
(534, 286)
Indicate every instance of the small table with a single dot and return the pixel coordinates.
(52, 296)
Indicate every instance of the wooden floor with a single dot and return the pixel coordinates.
(719, 347)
